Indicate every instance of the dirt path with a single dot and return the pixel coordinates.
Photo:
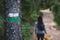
(48, 19)
(53, 32)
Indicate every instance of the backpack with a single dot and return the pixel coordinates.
(39, 29)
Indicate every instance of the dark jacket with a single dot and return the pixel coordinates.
(40, 28)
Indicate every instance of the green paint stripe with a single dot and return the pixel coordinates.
(14, 19)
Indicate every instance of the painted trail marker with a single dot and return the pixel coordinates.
(13, 17)
(13, 14)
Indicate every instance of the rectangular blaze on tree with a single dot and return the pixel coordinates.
(14, 19)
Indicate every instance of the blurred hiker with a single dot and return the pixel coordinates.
(40, 29)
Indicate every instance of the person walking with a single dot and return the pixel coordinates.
(40, 29)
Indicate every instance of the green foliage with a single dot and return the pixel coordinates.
(30, 8)
(2, 7)
(28, 11)
(1, 13)
(26, 31)
(1, 19)
(1, 27)
(56, 10)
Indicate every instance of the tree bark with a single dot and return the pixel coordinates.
(13, 20)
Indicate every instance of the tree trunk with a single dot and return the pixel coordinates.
(13, 20)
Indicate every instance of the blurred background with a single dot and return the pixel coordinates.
(30, 11)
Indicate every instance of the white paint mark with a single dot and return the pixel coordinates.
(10, 14)
(13, 14)
(16, 14)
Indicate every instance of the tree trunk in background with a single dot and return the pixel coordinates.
(13, 20)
